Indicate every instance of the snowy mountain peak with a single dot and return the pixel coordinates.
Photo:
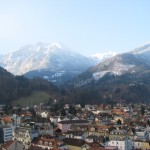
(57, 45)
(103, 56)
(53, 56)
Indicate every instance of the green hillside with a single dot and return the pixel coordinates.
(35, 98)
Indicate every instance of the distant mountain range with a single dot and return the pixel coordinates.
(54, 62)
(57, 63)
(121, 78)
(111, 78)
(135, 61)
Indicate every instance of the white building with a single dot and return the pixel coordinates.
(7, 133)
(136, 145)
(25, 135)
(143, 135)
(44, 114)
(122, 145)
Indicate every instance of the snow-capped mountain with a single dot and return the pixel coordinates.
(135, 61)
(118, 65)
(53, 56)
(99, 57)
(143, 53)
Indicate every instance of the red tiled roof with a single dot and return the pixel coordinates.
(117, 110)
(7, 119)
(103, 127)
(44, 140)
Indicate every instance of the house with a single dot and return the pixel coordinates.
(118, 111)
(6, 121)
(121, 144)
(45, 129)
(74, 144)
(44, 114)
(74, 134)
(121, 134)
(48, 142)
(5, 134)
(145, 145)
(142, 134)
(25, 135)
(78, 144)
(89, 133)
(43, 126)
(17, 120)
(55, 120)
(104, 122)
(65, 125)
(98, 130)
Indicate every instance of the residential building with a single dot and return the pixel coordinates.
(65, 125)
(121, 144)
(5, 134)
(25, 135)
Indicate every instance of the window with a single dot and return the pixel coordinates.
(50, 144)
(40, 142)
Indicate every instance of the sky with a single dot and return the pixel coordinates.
(85, 26)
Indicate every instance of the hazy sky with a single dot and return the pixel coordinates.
(87, 26)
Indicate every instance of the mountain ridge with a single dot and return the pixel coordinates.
(57, 62)
(129, 62)
(44, 56)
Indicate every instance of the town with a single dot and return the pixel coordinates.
(74, 127)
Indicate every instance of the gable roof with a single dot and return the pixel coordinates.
(74, 142)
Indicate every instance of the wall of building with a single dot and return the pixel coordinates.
(145, 145)
(71, 147)
(7, 134)
(122, 145)
(136, 145)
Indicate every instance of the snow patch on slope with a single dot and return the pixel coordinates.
(53, 56)
(143, 53)
(117, 69)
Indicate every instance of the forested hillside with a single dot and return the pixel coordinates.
(13, 87)
(112, 89)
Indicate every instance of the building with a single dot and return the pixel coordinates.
(5, 134)
(65, 125)
(74, 144)
(48, 142)
(121, 144)
(118, 111)
(17, 120)
(25, 135)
